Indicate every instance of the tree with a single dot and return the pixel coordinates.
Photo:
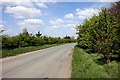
(67, 37)
(38, 34)
(25, 39)
(98, 34)
(114, 11)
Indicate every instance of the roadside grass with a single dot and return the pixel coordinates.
(86, 65)
(16, 51)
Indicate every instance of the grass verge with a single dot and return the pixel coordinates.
(86, 65)
(16, 51)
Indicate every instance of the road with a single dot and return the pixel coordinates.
(54, 62)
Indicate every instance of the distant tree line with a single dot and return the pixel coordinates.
(25, 39)
(101, 33)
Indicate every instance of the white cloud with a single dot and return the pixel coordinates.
(31, 23)
(69, 16)
(86, 13)
(63, 23)
(23, 12)
(108, 0)
(42, 5)
(70, 25)
(29, 0)
(54, 26)
(77, 9)
(27, 3)
(56, 23)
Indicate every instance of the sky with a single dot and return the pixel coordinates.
(55, 19)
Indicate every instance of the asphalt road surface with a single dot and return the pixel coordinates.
(54, 62)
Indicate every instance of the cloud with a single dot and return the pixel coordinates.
(77, 9)
(86, 13)
(27, 3)
(23, 12)
(55, 26)
(30, 1)
(108, 0)
(69, 16)
(70, 25)
(31, 23)
(56, 23)
(42, 5)
(63, 23)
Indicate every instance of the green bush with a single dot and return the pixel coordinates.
(25, 39)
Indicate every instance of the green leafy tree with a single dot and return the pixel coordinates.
(98, 34)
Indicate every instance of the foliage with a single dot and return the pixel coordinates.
(114, 10)
(99, 34)
(25, 39)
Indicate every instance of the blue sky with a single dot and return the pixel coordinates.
(50, 18)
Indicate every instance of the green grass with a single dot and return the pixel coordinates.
(16, 51)
(86, 65)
